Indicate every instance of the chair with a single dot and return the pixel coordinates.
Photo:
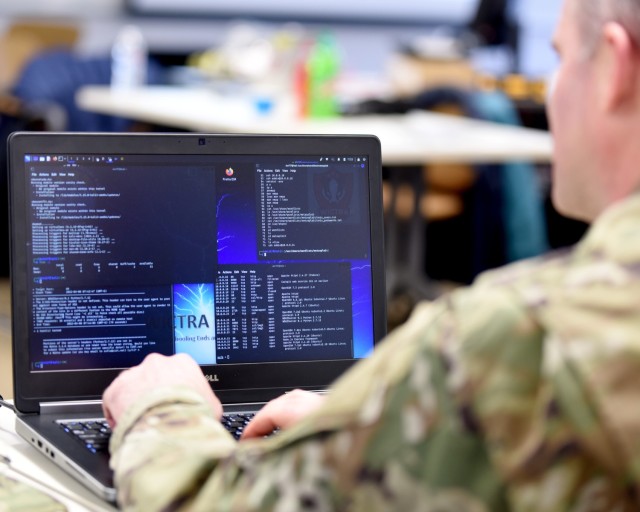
(55, 76)
(25, 39)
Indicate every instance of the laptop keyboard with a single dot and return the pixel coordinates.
(235, 423)
(95, 433)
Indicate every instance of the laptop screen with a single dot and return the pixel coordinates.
(236, 259)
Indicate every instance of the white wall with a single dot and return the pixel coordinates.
(366, 47)
(382, 10)
(537, 20)
(454, 11)
(60, 8)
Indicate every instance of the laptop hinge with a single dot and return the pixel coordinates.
(70, 407)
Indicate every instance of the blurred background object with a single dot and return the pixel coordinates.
(488, 59)
(129, 55)
(382, 57)
(23, 40)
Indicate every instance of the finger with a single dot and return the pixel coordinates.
(110, 402)
(109, 418)
(282, 412)
(262, 424)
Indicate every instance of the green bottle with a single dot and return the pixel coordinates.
(323, 65)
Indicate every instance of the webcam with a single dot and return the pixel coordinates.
(202, 141)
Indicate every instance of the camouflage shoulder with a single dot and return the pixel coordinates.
(530, 269)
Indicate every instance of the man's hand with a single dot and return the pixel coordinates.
(283, 412)
(155, 371)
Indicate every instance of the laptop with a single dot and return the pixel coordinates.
(260, 256)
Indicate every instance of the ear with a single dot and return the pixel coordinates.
(619, 67)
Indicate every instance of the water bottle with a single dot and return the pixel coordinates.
(129, 59)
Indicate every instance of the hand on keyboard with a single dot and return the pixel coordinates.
(155, 371)
(282, 413)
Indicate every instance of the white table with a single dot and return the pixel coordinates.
(408, 139)
(412, 139)
(25, 458)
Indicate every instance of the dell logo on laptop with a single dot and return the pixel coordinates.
(211, 378)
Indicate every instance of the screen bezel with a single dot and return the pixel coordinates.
(30, 389)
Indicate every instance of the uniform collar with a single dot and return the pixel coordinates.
(615, 233)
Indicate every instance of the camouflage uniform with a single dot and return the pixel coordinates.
(17, 496)
(519, 393)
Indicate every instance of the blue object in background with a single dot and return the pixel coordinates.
(523, 209)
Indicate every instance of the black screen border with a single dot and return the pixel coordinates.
(31, 389)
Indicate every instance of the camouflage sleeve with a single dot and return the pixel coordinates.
(18, 496)
(451, 413)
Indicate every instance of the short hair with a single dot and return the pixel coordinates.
(594, 13)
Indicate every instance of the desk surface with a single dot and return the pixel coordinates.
(411, 139)
(25, 458)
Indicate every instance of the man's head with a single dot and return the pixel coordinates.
(594, 109)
